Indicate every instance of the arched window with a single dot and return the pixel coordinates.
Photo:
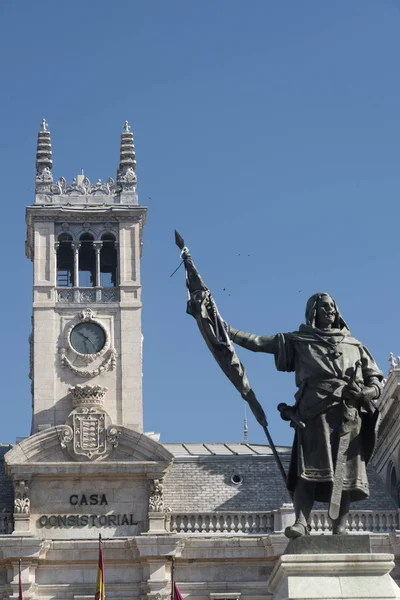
(108, 261)
(65, 261)
(87, 261)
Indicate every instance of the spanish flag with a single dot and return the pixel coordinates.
(100, 590)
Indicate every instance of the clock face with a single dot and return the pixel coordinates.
(88, 338)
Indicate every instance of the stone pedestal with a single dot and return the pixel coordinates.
(334, 568)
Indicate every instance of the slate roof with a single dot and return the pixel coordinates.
(201, 480)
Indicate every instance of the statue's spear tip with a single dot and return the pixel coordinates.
(179, 240)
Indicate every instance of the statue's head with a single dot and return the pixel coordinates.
(322, 312)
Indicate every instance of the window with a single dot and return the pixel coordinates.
(87, 261)
(65, 261)
(108, 261)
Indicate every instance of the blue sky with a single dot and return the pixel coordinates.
(267, 133)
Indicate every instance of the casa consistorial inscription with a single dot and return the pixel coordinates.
(87, 520)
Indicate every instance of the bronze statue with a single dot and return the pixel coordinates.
(334, 414)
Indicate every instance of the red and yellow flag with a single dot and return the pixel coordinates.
(100, 590)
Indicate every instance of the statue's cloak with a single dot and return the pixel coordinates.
(324, 361)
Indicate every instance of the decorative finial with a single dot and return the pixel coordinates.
(44, 162)
(126, 176)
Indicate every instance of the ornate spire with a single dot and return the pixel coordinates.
(44, 162)
(126, 176)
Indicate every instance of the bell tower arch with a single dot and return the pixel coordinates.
(85, 243)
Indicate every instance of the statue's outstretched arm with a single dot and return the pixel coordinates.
(256, 343)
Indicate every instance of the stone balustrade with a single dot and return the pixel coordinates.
(222, 522)
(371, 521)
(85, 295)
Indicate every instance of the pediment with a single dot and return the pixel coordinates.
(131, 452)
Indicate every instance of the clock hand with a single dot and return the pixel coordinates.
(92, 344)
(88, 339)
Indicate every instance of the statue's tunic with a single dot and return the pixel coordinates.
(323, 364)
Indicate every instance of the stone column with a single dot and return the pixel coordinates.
(75, 248)
(116, 246)
(56, 247)
(97, 248)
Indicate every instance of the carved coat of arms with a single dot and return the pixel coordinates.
(88, 433)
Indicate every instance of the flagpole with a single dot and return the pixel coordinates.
(100, 591)
(20, 597)
(173, 578)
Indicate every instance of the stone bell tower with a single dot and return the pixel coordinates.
(85, 243)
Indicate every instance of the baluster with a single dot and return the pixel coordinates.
(224, 523)
(256, 524)
(212, 524)
(370, 526)
(183, 524)
(239, 523)
(231, 523)
(246, 523)
(312, 521)
(217, 523)
(318, 524)
(264, 523)
(196, 523)
(356, 521)
(377, 522)
(173, 523)
(324, 523)
(384, 522)
(251, 523)
(203, 523)
(390, 522)
(362, 522)
(235, 523)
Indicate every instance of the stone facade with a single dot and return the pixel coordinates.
(216, 512)
(74, 211)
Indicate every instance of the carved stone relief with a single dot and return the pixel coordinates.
(88, 433)
(156, 497)
(22, 503)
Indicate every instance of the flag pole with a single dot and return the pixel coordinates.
(173, 578)
(100, 590)
(20, 597)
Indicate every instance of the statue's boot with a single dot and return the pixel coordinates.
(339, 524)
(303, 502)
